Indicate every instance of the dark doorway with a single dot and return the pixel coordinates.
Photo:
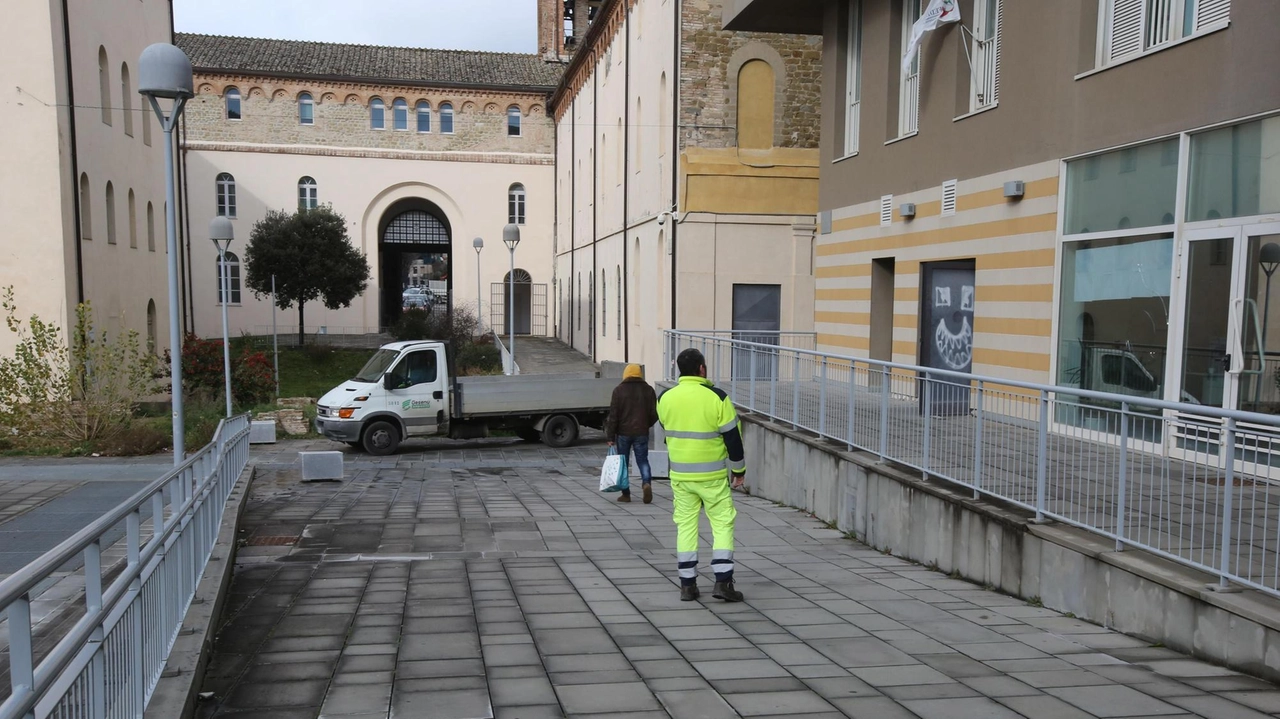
(500, 303)
(757, 318)
(946, 332)
(414, 260)
(882, 297)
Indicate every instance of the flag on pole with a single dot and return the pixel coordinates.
(938, 12)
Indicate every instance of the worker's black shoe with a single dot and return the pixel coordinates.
(624, 498)
(725, 591)
(648, 494)
(689, 592)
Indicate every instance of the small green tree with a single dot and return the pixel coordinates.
(311, 257)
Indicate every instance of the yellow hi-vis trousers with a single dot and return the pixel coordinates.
(715, 496)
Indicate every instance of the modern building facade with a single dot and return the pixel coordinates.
(82, 182)
(420, 150)
(1078, 193)
(686, 176)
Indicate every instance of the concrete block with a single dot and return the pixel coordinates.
(660, 464)
(262, 432)
(320, 466)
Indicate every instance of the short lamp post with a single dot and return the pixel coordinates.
(222, 233)
(478, 243)
(511, 237)
(1269, 259)
(164, 73)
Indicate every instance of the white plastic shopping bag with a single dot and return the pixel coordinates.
(612, 477)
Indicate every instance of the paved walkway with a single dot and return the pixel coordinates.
(547, 355)
(490, 579)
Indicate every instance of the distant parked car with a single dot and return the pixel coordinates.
(416, 302)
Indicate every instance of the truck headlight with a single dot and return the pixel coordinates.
(346, 412)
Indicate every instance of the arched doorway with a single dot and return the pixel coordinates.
(523, 302)
(414, 259)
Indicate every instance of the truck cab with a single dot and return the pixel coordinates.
(402, 391)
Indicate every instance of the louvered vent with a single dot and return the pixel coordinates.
(948, 198)
(886, 210)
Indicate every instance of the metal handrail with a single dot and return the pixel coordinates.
(198, 489)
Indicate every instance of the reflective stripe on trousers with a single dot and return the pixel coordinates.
(716, 499)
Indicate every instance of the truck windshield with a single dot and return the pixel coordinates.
(376, 366)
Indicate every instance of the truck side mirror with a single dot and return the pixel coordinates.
(388, 381)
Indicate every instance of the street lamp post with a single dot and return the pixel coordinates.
(478, 243)
(1269, 259)
(222, 233)
(164, 72)
(511, 236)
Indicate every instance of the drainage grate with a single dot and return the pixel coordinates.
(271, 541)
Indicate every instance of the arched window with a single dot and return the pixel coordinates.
(151, 227)
(579, 303)
(515, 204)
(126, 99)
(604, 304)
(146, 123)
(400, 114)
(232, 100)
(111, 214)
(233, 277)
(308, 194)
(621, 152)
(104, 85)
(226, 195)
(306, 109)
(756, 92)
(424, 116)
(513, 121)
(86, 208)
(133, 220)
(377, 114)
(639, 125)
(619, 275)
(151, 326)
(662, 116)
(446, 118)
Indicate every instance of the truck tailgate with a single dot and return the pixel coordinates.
(530, 394)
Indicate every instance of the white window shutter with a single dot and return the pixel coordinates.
(999, 40)
(1211, 12)
(1124, 28)
(886, 210)
(948, 198)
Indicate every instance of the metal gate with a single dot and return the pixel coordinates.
(539, 320)
(531, 309)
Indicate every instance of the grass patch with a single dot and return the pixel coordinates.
(313, 370)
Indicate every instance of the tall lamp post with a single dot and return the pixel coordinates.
(164, 73)
(511, 236)
(478, 243)
(1269, 259)
(222, 233)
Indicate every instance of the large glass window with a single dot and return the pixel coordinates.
(424, 116)
(1235, 171)
(1114, 316)
(308, 194)
(446, 118)
(232, 98)
(232, 278)
(377, 114)
(513, 121)
(306, 109)
(400, 114)
(1134, 187)
(226, 195)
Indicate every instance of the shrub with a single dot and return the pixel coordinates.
(414, 325)
(252, 378)
(139, 439)
(471, 359)
(202, 370)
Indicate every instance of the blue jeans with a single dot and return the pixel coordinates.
(641, 447)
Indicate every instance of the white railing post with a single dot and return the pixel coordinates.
(22, 677)
(853, 401)
(774, 368)
(885, 378)
(977, 444)
(822, 400)
(752, 368)
(93, 603)
(927, 408)
(795, 393)
(1042, 455)
(1122, 489)
(1229, 454)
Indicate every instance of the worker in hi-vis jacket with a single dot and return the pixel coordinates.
(704, 445)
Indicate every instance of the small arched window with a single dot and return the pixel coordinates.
(377, 114)
(111, 214)
(513, 121)
(424, 116)
(516, 204)
(619, 276)
(306, 109)
(126, 98)
(604, 304)
(579, 303)
(86, 208)
(756, 91)
(146, 123)
(226, 195)
(133, 220)
(233, 278)
(151, 227)
(151, 326)
(104, 85)
(446, 118)
(400, 114)
(232, 100)
(308, 194)
(662, 115)
(639, 125)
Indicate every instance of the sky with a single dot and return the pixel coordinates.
(492, 25)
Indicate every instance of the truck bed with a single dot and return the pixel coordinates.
(531, 395)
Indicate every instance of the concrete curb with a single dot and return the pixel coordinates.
(177, 692)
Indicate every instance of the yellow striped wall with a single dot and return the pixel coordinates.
(1013, 244)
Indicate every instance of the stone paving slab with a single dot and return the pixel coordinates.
(488, 579)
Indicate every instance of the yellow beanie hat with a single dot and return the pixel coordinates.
(633, 371)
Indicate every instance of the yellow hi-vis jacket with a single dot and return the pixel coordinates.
(701, 427)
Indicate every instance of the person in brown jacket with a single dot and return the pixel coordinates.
(632, 412)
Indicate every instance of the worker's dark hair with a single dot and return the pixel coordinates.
(690, 363)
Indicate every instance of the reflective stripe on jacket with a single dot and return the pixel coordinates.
(701, 427)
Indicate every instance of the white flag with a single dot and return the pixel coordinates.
(938, 12)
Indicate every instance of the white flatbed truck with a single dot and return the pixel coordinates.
(410, 389)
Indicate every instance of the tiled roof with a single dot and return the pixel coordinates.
(368, 62)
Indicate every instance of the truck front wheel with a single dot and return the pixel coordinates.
(560, 431)
(381, 438)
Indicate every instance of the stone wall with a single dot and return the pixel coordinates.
(710, 57)
(269, 112)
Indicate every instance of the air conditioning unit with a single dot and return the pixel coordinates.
(907, 209)
(1015, 189)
